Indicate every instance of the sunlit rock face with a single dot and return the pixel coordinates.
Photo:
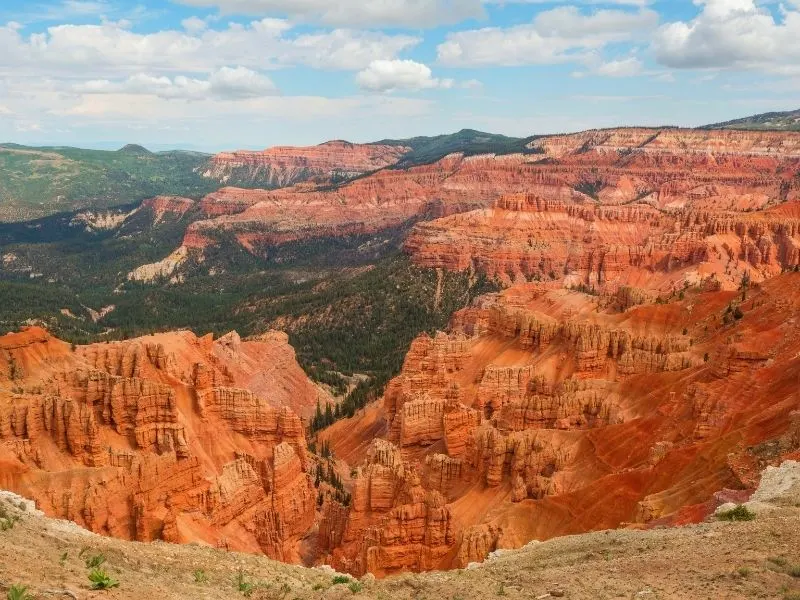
(164, 437)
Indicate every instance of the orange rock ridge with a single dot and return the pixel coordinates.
(542, 413)
(168, 436)
(668, 169)
(281, 166)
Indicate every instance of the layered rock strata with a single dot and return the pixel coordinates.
(166, 437)
(541, 413)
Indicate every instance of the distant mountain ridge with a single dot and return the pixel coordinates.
(770, 121)
(37, 182)
(429, 149)
(40, 181)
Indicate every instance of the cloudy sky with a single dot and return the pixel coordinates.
(224, 74)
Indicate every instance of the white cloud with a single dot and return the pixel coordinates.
(194, 24)
(4, 110)
(133, 108)
(226, 83)
(625, 67)
(392, 75)
(637, 3)
(354, 13)
(107, 49)
(735, 34)
(560, 35)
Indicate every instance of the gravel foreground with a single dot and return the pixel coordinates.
(713, 560)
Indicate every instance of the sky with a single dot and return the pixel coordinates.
(216, 75)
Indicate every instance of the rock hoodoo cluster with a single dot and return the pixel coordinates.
(541, 413)
(167, 437)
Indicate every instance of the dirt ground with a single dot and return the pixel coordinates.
(754, 559)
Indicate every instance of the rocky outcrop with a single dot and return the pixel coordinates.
(633, 208)
(393, 523)
(542, 413)
(166, 208)
(152, 439)
(164, 269)
(282, 166)
(608, 249)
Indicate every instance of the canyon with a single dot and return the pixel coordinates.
(541, 413)
(638, 367)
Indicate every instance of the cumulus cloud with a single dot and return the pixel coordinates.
(226, 83)
(135, 108)
(113, 47)
(733, 34)
(391, 75)
(560, 35)
(354, 13)
(194, 24)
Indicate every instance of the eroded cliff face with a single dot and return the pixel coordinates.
(261, 218)
(282, 166)
(165, 437)
(542, 413)
(660, 181)
(635, 208)
(538, 237)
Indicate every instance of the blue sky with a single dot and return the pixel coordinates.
(224, 74)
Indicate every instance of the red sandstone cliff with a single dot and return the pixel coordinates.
(168, 436)
(282, 166)
(578, 242)
(542, 414)
(667, 176)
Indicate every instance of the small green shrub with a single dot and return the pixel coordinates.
(200, 576)
(62, 560)
(18, 592)
(340, 579)
(501, 590)
(355, 586)
(95, 561)
(244, 586)
(739, 513)
(794, 570)
(8, 523)
(101, 580)
(778, 560)
(743, 571)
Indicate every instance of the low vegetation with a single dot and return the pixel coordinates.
(42, 181)
(426, 150)
(200, 576)
(738, 513)
(101, 580)
(18, 592)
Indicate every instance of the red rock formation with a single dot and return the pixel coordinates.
(161, 437)
(539, 237)
(542, 414)
(164, 207)
(282, 166)
(661, 176)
